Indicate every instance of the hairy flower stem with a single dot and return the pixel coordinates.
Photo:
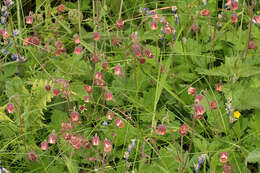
(21, 123)
(191, 140)
(103, 162)
(181, 155)
(250, 28)
(175, 146)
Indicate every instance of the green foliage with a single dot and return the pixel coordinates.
(148, 70)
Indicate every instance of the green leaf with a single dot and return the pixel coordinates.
(254, 156)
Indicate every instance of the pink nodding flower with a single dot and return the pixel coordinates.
(52, 138)
(198, 98)
(161, 129)
(110, 115)
(47, 87)
(76, 39)
(107, 145)
(191, 90)
(29, 20)
(77, 50)
(95, 58)
(44, 145)
(74, 116)
(168, 29)
(75, 141)
(199, 110)
(223, 157)
(26, 41)
(234, 5)
(87, 99)
(118, 70)
(154, 25)
(10, 108)
(96, 36)
(95, 140)
(205, 12)
(184, 129)
(148, 53)
(256, 19)
(120, 24)
(88, 88)
(109, 96)
(61, 8)
(213, 105)
(56, 91)
(234, 18)
(137, 50)
(142, 60)
(4, 33)
(99, 76)
(119, 123)
(32, 156)
(219, 87)
(104, 65)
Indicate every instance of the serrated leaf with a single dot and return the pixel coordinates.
(254, 156)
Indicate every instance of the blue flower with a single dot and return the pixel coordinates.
(204, 2)
(3, 20)
(16, 32)
(104, 123)
(14, 57)
(133, 143)
(3, 9)
(201, 159)
(9, 3)
(4, 51)
(141, 10)
(176, 19)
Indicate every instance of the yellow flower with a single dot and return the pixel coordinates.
(237, 114)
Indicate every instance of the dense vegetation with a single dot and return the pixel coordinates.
(130, 86)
